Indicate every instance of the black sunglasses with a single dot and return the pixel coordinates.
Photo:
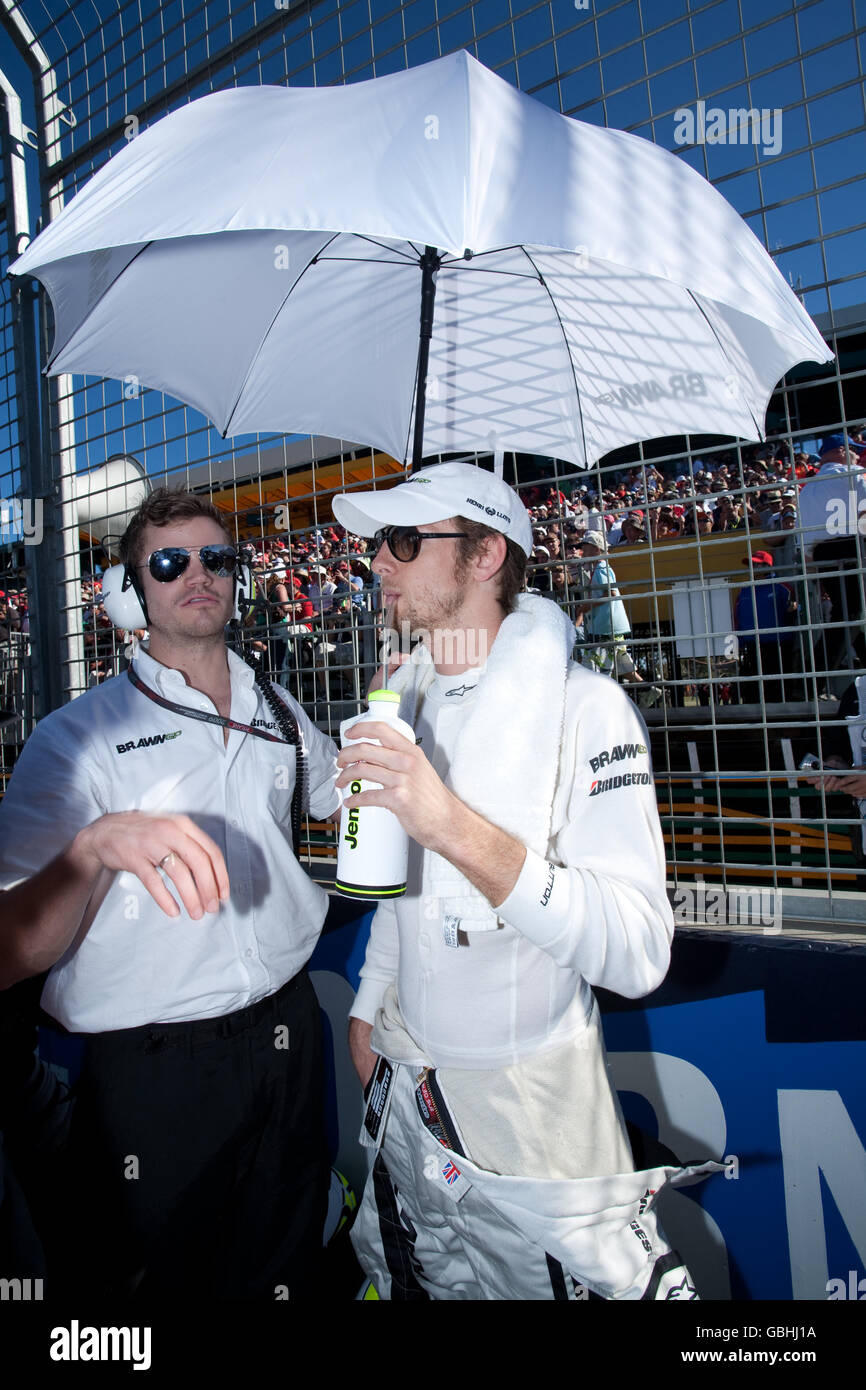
(404, 542)
(170, 562)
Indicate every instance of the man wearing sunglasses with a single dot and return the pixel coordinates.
(537, 870)
(149, 868)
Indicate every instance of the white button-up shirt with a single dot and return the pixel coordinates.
(831, 504)
(113, 749)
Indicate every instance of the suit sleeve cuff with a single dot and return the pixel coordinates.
(368, 1000)
(540, 904)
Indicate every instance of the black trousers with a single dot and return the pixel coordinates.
(197, 1161)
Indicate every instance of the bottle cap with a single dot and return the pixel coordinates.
(386, 696)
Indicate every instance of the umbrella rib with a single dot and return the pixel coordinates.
(482, 270)
(267, 333)
(360, 236)
(363, 260)
(56, 350)
(553, 305)
(723, 351)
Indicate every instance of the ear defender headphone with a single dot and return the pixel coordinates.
(124, 602)
(122, 598)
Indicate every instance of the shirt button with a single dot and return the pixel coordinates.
(247, 953)
(235, 822)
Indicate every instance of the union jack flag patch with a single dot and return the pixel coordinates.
(450, 1173)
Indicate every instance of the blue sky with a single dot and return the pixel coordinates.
(598, 62)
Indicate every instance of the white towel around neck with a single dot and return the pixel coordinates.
(506, 760)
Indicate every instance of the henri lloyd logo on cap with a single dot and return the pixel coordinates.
(488, 511)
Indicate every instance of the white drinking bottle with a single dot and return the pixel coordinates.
(373, 850)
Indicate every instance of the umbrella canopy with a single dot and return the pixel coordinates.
(259, 254)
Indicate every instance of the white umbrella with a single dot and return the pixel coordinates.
(260, 254)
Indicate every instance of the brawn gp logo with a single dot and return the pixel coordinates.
(149, 741)
(617, 754)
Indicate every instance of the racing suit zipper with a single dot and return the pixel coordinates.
(427, 1078)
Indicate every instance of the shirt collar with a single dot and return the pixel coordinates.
(166, 679)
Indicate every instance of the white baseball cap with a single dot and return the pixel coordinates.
(435, 494)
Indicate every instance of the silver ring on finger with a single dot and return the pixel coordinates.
(167, 861)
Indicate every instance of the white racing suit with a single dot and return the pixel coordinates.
(433, 1224)
(505, 1172)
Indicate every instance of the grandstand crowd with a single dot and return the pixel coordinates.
(315, 591)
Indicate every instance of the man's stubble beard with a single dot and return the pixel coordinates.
(176, 631)
(433, 609)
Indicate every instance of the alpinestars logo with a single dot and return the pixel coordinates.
(682, 1290)
(628, 779)
(617, 754)
(149, 741)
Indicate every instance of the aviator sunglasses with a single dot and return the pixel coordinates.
(404, 542)
(170, 562)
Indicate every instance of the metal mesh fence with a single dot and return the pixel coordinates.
(16, 516)
(738, 668)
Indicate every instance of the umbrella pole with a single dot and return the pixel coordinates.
(430, 263)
